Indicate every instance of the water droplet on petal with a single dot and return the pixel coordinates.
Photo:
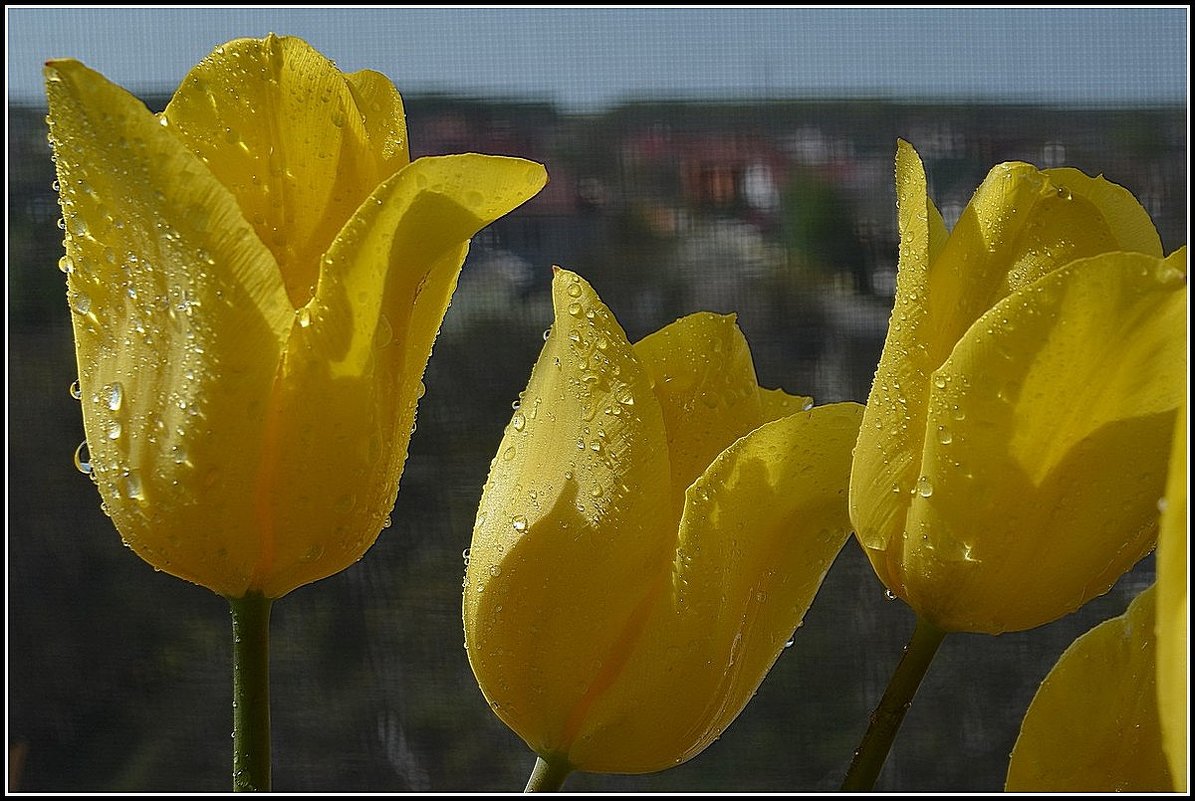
(83, 459)
(133, 488)
(76, 390)
(519, 421)
(81, 302)
(114, 396)
(519, 523)
(924, 487)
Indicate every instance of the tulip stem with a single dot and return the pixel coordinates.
(885, 721)
(548, 775)
(251, 693)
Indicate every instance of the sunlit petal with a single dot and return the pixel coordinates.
(761, 527)
(1093, 725)
(168, 284)
(886, 456)
(277, 124)
(702, 373)
(572, 508)
(1172, 616)
(361, 347)
(1076, 373)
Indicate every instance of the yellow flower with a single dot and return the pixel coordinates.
(1172, 618)
(256, 277)
(653, 529)
(1015, 439)
(1093, 724)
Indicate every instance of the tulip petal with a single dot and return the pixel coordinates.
(1172, 617)
(1020, 225)
(701, 369)
(385, 122)
(361, 347)
(1093, 725)
(885, 467)
(153, 237)
(760, 529)
(572, 509)
(1078, 371)
(278, 124)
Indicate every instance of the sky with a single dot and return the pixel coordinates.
(587, 59)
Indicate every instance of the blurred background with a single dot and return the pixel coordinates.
(699, 159)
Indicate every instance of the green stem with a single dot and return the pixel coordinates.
(886, 720)
(548, 775)
(251, 693)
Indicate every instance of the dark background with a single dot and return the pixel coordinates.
(784, 212)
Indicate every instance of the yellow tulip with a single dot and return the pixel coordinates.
(653, 529)
(1172, 617)
(256, 276)
(1093, 724)
(1014, 443)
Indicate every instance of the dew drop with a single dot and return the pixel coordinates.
(508, 454)
(66, 264)
(889, 595)
(495, 571)
(574, 290)
(114, 428)
(384, 334)
(519, 421)
(76, 390)
(944, 435)
(81, 302)
(114, 396)
(465, 557)
(519, 523)
(133, 488)
(304, 317)
(574, 309)
(547, 333)
(387, 523)
(83, 459)
(789, 644)
(924, 487)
